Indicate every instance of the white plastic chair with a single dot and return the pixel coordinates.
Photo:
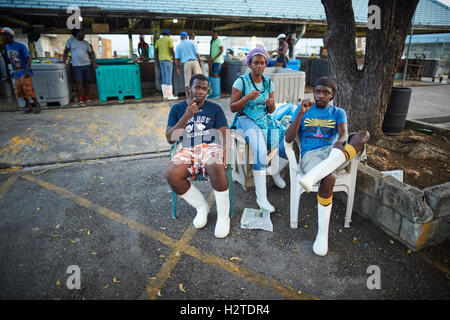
(241, 160)
(345, 181)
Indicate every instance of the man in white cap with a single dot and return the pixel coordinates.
(282, 58)
(186, 54)
(22, 74)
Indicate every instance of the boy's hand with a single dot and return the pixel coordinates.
(306, 104)
(192, 109)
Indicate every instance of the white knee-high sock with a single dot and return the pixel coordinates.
(223, 218)
(324, 168)
(196, 199)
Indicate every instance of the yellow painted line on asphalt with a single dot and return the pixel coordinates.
(159, 236)
(435, 264)
(182, 247)
(153, 290)
(6, 185)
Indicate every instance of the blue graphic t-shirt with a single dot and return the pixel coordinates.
(319, 127)
(199, 127)
(18, 56)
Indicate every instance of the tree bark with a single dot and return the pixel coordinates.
(364, 94)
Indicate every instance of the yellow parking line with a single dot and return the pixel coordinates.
(6, 185)
(240, 271)
(435, 264)
(153, 289)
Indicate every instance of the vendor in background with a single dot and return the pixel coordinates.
(165, 54)
(20, 60)
(216, 51)
(83, 59)
(282, 58)
(187, 56)
(143, 48)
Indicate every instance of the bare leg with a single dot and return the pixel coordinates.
(80, 90)
(218, 176)
(357, 141)
(326, 186)
(37, 107)
(176, 176)
(86, 89)
(28, 108)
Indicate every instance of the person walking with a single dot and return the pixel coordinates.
(164, 54)
(22, 74)
(187, 55)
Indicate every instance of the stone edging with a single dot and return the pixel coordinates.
(417, 218)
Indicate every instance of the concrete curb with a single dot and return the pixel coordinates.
(430, 124)
(417, 218)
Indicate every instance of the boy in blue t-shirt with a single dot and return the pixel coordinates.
(202, 126)
(20, 61)
(323, 134)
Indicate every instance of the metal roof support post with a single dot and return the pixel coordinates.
(130, 43)
(292, 35)
(407, 52)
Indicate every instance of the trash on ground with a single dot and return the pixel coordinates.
(256, 219)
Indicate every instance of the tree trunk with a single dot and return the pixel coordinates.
(364, 94)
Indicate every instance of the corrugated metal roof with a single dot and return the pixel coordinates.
(429, 38)
(428, 13)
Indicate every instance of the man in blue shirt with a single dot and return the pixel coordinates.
(322, 129)
(202, 126)
(187, 54)
(22, 74)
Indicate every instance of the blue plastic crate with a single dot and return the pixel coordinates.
(121, 80)
(294, 64)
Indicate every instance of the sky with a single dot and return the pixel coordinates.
(446, 2)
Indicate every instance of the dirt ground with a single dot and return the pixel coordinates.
(424, 158)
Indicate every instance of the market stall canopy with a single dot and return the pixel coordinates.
(232, 17)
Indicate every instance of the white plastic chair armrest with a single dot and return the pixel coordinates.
(289, 150)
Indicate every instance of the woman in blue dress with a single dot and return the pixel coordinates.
(252, 99)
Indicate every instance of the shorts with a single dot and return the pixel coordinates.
(190, 68)
(216, 68)
(82, 73)
(24, 87)
(196, 158)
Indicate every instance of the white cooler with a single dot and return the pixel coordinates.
(51, 83)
